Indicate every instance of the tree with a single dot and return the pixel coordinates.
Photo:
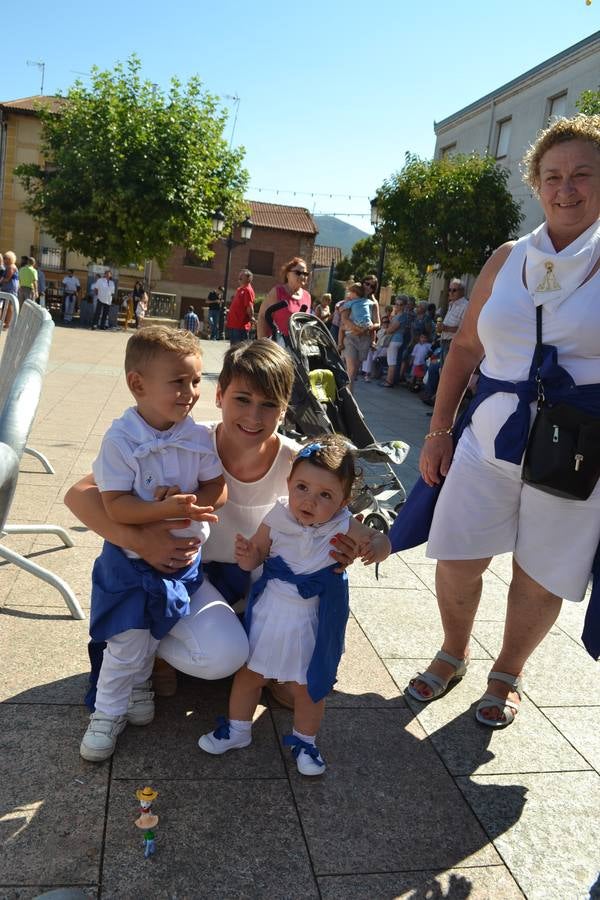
(364, 260)
(452, 212)
(588, 102)
(131, 171)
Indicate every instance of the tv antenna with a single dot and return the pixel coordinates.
(236, 102)
(40, 65)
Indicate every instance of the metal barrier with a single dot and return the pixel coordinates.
(22, 368)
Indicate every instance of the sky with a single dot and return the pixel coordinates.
(332, 94)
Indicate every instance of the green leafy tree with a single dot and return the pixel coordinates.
(452, 212)
(364, 260)
(131, 170)
(588, 102)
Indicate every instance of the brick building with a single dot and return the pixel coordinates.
(278, 234)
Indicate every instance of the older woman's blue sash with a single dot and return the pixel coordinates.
(412, 525)
(332, 589)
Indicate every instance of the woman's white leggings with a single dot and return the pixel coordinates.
(209, 643)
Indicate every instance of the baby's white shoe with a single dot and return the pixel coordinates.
(224, 738)
(100, 739)
(308, 759)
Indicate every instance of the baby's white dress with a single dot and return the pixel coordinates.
(283, 627)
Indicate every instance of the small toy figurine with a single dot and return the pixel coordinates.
(147, 820)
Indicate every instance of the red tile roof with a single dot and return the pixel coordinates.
(324, 256)
(30, 105)
(284, 218)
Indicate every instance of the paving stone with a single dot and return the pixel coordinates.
(393, 574)
(530, 744)
(550, 848)
(363, 679)
(476, 883)
(72, 564)
(52, 802)
(44, 656)
(581, 726)
(47, 892)
(402, 623)
(382, 776)
(149, 752)
(558, 673)
(233, 839)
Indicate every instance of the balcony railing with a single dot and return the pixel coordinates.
(163, 306)
(50, 258)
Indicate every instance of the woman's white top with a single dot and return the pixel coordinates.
(247, 502)
(283, 628)
(506, 328)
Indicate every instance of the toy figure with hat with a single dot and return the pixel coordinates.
(147, 820)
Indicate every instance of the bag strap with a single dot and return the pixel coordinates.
(538, 356)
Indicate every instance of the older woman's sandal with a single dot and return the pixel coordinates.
(509, 707)
(437, 685)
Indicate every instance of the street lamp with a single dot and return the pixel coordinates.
(382, 249)
(218, 224)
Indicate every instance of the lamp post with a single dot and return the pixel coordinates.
(218, 223)
(382, 249)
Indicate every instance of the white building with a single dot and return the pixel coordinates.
(505, 122)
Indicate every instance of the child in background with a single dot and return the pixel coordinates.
(419, 355)
(297, 611)
(154, 446)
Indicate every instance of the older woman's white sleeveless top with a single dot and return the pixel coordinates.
(506, 326)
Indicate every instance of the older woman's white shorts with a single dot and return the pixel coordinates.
(393, 350)
(485, 509)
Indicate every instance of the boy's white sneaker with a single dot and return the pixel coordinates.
(308, 759)
(141, 704)
(221, 739)
(100, 739)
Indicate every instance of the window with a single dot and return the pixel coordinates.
(503, 138)
(192, 259)
(448, 150)
(260, 262)
(557, 106)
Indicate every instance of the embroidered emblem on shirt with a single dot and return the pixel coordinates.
(148, 479)
(548, 282)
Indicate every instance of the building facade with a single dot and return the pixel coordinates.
(279, 233)
(505, 122)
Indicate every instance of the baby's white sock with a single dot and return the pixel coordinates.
(307, 738)
(239, 726)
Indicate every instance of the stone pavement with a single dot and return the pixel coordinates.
(417, 802)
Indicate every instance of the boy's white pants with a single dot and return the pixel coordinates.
(128, 660)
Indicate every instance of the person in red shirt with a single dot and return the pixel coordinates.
(241, 312)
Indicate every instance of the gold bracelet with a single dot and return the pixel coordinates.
(437, 433)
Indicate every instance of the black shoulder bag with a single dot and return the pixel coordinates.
(562, 456)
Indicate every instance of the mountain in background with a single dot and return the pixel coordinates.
(335, 233)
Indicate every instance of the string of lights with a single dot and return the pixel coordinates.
(313, 194)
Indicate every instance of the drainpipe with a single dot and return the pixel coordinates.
(489, 140)
(3, 128)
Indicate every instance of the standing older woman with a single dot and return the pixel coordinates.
(283, 300)
(484, 508)
(9, 282)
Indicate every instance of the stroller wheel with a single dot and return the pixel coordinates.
(377, 522)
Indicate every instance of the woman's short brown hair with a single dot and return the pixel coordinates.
(578, 128)
(264, 365)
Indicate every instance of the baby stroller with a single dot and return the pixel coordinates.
(322, 404)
